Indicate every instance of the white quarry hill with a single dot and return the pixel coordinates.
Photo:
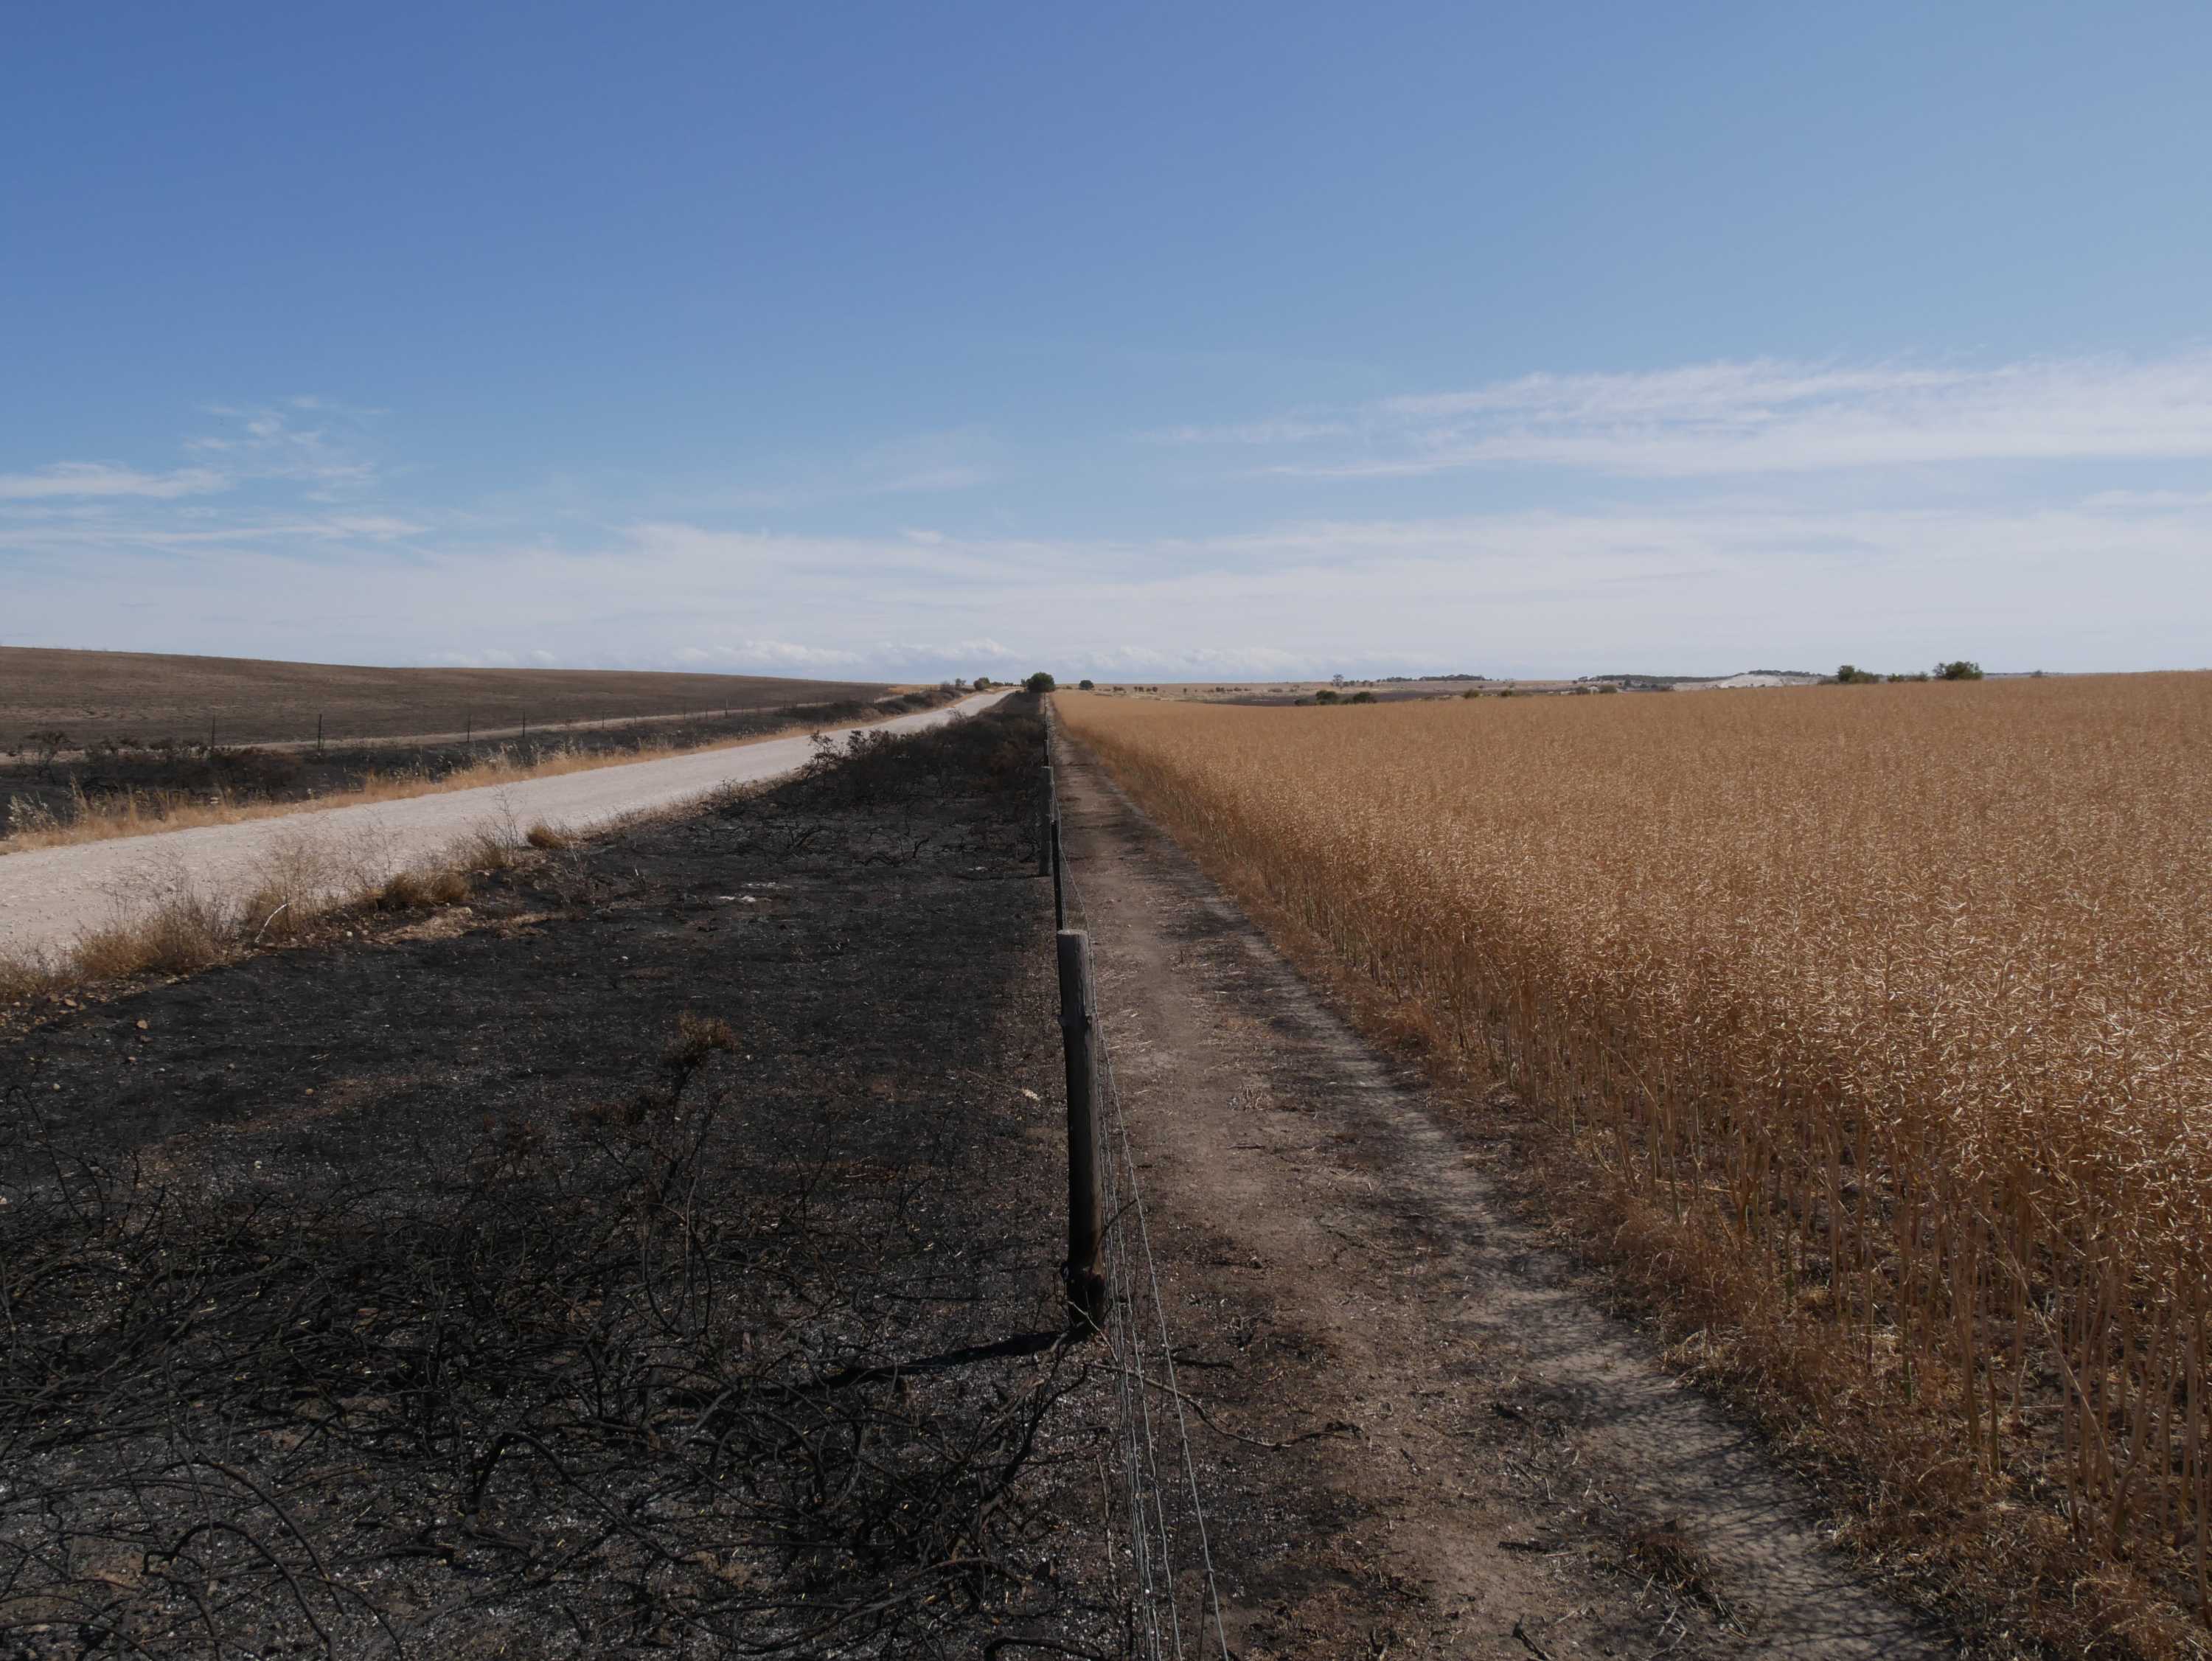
(1751, 678)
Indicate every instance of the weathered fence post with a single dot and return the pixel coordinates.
(1059, 895)
(1044, 826)
(319, 735)
(1086, 1286)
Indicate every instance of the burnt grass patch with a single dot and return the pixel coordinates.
(660, 1256)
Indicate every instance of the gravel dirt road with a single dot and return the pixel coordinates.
(50, 897)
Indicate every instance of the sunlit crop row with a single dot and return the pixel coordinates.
(1900, 995)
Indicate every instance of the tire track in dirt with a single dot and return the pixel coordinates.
(1527, 1480)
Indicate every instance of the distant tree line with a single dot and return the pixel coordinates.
(1962, 669)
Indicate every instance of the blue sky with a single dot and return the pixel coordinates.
(1168, 342)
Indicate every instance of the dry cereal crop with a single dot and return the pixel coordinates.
(1874, 1024)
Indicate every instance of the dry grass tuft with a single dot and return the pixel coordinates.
(486, 852)
(696, 1037)
(1869, 1029)
(412, 890)
(183, 934)
(545, 836)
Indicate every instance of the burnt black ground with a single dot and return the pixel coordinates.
(658, 1256)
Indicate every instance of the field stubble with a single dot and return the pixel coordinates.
(1872, 1029)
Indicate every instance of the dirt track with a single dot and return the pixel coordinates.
(51, 896)
(1524, 1479)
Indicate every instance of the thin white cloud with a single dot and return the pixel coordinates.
(1704, 587)
(1287, 429)
(2100, 568)
(268, 443)
(74, 479)
(1765, 416)
(766, 657)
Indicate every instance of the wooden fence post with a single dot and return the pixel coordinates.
(1059, 895)
(1044, 825)
(1086, 1286)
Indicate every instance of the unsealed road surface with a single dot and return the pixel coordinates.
(51, 896)
(1438, 1446)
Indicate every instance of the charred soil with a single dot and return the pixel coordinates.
(658, 1254)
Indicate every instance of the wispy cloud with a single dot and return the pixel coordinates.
(271, 542)
(1762, 416)
(927, 464)
(768, 658)
(1286, 429)
(1711, 584)
(269, 442)
(94, 479)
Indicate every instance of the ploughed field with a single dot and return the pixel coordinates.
(1872, 1028)
(95, 697)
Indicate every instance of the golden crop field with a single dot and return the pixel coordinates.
(1888, 1010)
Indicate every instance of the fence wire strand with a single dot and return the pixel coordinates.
(1132, 1278)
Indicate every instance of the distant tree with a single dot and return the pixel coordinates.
(1086, 685)
(982, 683)
(1039, 683)
(1963, 670)
(1326, 695)
(1850, 675)
(1363, 698)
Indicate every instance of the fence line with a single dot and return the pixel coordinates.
(1132, 1271)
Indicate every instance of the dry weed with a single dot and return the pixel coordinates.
(410, 890)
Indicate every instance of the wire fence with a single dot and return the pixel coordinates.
(1174, 1594)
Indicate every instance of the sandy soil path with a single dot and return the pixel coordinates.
(1516, 1475)
(51, 896)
